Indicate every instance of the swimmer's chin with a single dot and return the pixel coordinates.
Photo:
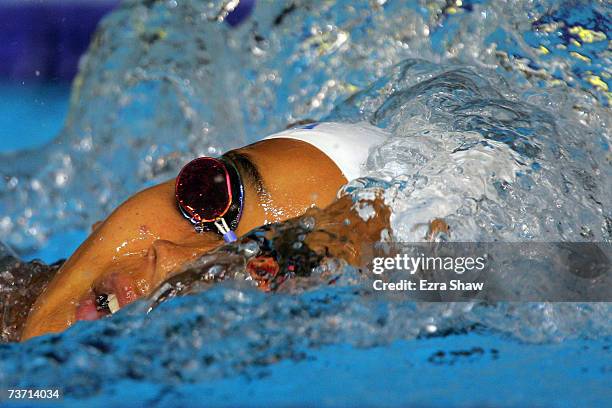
(131, 278)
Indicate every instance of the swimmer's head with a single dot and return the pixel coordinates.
(147, 239)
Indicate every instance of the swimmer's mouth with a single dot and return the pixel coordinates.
(108, 297)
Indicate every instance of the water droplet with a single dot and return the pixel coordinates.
(308, 223)
(249, 249)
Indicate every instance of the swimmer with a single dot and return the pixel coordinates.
(213, 200)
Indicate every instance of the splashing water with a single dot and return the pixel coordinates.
(498, 126)
(495, 167)
(140, 108)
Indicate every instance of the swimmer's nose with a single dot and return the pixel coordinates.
(166, 257)
(162, 256)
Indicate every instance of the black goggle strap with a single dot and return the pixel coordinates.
(238, 195)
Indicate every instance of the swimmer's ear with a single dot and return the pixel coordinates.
(95, 225)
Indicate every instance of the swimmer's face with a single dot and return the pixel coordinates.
(146, 239)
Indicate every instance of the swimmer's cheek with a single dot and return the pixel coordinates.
(54, 321)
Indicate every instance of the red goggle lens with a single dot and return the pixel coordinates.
(203, 189)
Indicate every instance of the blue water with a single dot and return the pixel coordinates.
(184, 354)
(31, 114)
(460, 370)
(329, 347)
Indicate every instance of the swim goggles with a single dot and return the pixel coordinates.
(210, 195)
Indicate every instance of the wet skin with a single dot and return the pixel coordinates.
(146, 239)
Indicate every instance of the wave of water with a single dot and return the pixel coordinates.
(501, 139)
(140, 107)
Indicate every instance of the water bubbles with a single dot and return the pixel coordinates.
(249, 249)
(365, 210)
(85, 144)
(12, 183)
(308, 223)
(586, 232)
(5, 223)
(431, 328)
(36, 185)
(61, 178)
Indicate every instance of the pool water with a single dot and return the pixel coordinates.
(459, 370)
(499, 114)
(31, 115)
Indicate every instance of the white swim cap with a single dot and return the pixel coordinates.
(346, 144)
